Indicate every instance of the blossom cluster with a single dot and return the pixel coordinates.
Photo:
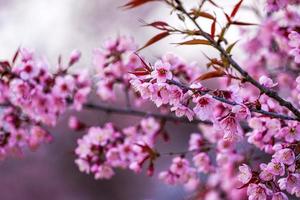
(112, 63)
(275, 5)
(248, 142)
(107, 147)
(163, 86)
(32, 97)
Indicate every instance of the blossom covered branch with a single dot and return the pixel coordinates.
(248, 138)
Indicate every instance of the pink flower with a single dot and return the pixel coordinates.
(162, 72)
(286, 156)
(242, 112)
(202, 162)
(295, 45)
(196, 141)
(74, 57)
(179, 165)
(232, 130)
(291, 184)
(276, 168)
(291, 133)
(181, 110)
(204, 107)
(167, 177)
(265, 173)
(63, 86)
(104, 172)
(175, 94)
(245, 174)
(75, 124)
(150, 125)
(257, 192)
(279, 196)
(83, 165)
(267, 82)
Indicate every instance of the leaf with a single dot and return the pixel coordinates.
(158, 24)
(5, 64)
(213, 29)
(16, 55)
(140, 73)
(147, 67)
(197, 13)
(236, 8)
(243, 23)
(227, 17)
(155, 39)
(229, 48)
(195, 42)
(209, 75)
(135, 3)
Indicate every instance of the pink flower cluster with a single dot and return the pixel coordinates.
(113, 63)
(32, 98)
(275, 5)
(295, 45)
(164, 86)
(279, 174)
(105, 148)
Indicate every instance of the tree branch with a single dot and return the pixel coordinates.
(267, 113)
(272, 94)
(135, 112)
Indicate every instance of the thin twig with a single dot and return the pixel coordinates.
(135, 112)
(267, 113)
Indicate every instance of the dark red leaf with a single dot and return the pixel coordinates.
(16, 56)
(140, 73)
(227, 17)
(155, 39)
(243, 23)
(213, 29)
(135, 3)
(209, 75)
(158, 24)
(197, 13)
(5, 64)
(236, 8)
(195, 42)
(147, 67)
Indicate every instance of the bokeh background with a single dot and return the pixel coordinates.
(56, 27)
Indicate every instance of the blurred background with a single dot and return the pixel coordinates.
(55, 28)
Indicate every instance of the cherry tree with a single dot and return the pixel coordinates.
(248, 142)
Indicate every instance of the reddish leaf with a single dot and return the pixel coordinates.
(16, 55)
(147, 67)
(213, 29)
(227, 17)
(243, 23)
(158, 25)
(194, 42)
(209, 75)
(197, 13)
(136, 3)
(140, 73)
(155, 39)
(236, 8)
(5, 64)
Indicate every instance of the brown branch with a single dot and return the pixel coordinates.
(135, 112)
(271, 93)
(266, 113)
